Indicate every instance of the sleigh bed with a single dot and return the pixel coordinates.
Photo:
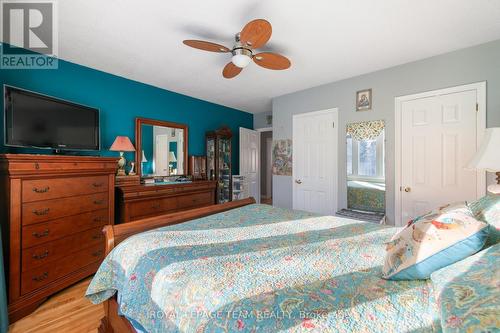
(245, 267)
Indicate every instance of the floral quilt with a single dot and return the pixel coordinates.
(468, 293)
(265, 269)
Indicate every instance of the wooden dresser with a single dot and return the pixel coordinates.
(135, 202)
(53, 211)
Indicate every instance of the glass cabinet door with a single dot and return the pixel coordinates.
(224, 165)
(219, 166)
(211, 159)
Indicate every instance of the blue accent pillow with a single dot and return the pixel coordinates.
(487, 209)
(433, 241)
(468, 293)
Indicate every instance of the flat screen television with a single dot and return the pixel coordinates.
(37, 121)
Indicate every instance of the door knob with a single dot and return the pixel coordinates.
(407, 189)
(298, 181)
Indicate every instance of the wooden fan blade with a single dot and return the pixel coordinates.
(231, 70)
(206, 46)
(256, 33)
(272, 60)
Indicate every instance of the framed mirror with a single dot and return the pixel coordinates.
(161, 148)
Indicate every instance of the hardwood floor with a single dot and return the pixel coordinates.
(67, 311)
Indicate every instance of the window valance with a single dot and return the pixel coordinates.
(366, 130)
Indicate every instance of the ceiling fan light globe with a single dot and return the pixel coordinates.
(241, 60)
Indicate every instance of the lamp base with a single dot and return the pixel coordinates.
(494, 189)
(121, 165)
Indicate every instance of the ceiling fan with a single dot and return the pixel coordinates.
(254, 35)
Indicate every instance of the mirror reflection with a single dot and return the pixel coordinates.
(162, 151)
(366, 170)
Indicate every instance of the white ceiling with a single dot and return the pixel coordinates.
(326, 40)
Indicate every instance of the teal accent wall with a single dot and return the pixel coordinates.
(121, 100)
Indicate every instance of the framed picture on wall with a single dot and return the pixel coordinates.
(364, 100)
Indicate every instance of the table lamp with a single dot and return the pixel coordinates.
(143, 160)
(122, 144)
(488, 157)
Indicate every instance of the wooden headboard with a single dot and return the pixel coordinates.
(114, 234)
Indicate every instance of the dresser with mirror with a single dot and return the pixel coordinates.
(163, 185)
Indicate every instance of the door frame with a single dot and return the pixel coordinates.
(480, 88)
(269, 175)
(335, 170)
(259, 171)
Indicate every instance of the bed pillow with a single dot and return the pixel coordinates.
(487, 209)
(468, 293)
(433, 241)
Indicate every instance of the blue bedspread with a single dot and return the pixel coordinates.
(261, 268)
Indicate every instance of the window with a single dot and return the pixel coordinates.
(365, 158)
(349, 155)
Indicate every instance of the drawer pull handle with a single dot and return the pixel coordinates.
(41, 234)
(41, 190)
(96, 236)
(41, 212)
(97, 185)
(41, 256)
(41, 277)
(98, 202)
(157, 206)
(97, 253)
(98, 219)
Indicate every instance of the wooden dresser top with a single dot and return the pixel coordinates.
(26, 164)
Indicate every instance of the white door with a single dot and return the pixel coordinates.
(315, 136)
(438, 138)
(180, 153)
(250, 161)
(162, 148)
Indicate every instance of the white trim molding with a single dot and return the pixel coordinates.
(480, 88)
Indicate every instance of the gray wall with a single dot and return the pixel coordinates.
(479, 63)
(260, 120)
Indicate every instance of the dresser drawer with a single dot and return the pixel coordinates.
(44, 189)
(40, 255)
(41, 276)
(195, 200)
(41, 211)
(152, 207)
(41, 233)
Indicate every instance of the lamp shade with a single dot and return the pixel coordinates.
(171, 157)
(488, 156)
(122, 143)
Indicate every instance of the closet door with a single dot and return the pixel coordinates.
(315, 137)
(438, 140)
